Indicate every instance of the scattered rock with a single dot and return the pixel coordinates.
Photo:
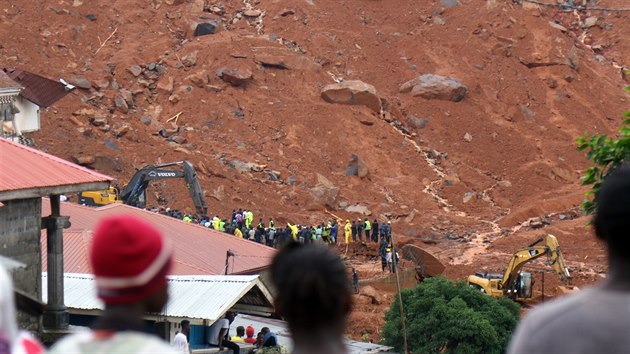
(173, 99)
(287, 61)
(557, 26)
(357, 167)
(205, 28)
(418, 123)
(359, 209)
(353, 92)
(178, 139)
(274, 175)
(439, 20)
(121, 104)
(236, 76)
(573, 57)
(449, 3)
(184, 150)
(190, 59)
(590, 21)
(127, 96)
(199, 79)
(91, 17)
(98, 121)
(83, 160)
(468, 137)
(367, 122)
(135, 70)
(165, 85)
(284, 13)
(80, 82)
(252, 13)
(551, 82)
(431, 86)
(371, 294)
(325, 196)
(219, 193)
(121, 131)
(101, 83)
(106, 163)
(468, 196)
(569, 77)
(146, 120)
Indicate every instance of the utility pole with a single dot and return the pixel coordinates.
(402, 312)
(227, 260)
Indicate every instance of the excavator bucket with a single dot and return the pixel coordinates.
(427, 265)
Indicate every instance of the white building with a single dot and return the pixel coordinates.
(22, 94)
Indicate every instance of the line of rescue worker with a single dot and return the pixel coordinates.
(241, 225)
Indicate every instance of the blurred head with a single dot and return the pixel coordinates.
(250, 331)
(240, 331)
(130, 260)
(612, 215)
(185, 326)
(314, 291)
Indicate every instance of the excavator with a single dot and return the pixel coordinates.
(515, 283)
(134, 193)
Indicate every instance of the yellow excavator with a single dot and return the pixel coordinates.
(515, 283)
(134, 193)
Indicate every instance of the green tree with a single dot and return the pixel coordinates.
(605, 153)
(451, 317)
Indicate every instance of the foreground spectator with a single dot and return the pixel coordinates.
(314, 297)
(130, 260)
(12, 340)
(180, 342)
(596, 320)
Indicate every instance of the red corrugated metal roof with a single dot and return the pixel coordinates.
(198, 250)
(6, 82)
(37, 89)
(22, 168)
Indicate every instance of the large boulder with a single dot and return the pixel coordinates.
(357, 167)
(325, 192)
(236, 76)
(353, 92)
(431, 86)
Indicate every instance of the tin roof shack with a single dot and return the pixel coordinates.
(201, 299)
(26, 176)
(22, 94)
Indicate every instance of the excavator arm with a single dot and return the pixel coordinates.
(134, 192)
(551, 248)
(194, 188)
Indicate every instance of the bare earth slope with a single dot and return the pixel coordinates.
(469, 180)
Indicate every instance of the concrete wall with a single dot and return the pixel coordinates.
(20, 228)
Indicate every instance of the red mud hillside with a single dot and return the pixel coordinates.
(470, 181)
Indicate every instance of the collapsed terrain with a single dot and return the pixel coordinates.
(470, 181)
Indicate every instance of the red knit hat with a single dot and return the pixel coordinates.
(249, 331)
(130, 259)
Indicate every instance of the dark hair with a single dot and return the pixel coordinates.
(313, 288)
(185, 323)
(612, 215)
(240, 331)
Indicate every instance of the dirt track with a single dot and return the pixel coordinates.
(533, 88)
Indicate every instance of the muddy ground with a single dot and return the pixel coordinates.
(468, 184)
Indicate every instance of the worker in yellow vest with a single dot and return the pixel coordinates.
(347, 231)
